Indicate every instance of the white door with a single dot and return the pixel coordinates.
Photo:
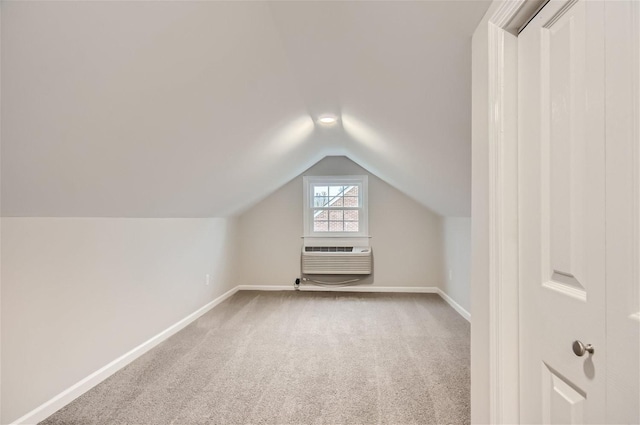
(566, 143)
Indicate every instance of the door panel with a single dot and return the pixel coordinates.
(563, 80)
(562, 213)
(562, 403)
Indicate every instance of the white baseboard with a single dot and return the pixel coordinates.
(264, 287)
(364, 288)
(355, 288)
(67, 396)
(457, 307)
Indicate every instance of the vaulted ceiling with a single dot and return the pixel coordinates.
(199, 109)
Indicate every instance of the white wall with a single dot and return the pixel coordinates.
(79, 292)
(407, 237)
(457, 260)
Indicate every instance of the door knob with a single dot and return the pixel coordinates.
(579, 348)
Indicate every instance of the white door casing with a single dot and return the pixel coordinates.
(622, 47)
(562, 213)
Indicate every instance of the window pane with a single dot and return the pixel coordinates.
(335, 216)
(320, 201)
(350, 201)
(350, 226)
(336, 190)
(335, 206)
(336, 226)
(351, 215)
(321, 215)
(320, 190)
(351, 191)
(320, 226)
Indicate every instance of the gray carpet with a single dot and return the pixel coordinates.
(296, 358)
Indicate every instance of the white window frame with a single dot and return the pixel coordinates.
(363, 215)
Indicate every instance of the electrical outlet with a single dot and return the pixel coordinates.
(450, 275)
(207, 280)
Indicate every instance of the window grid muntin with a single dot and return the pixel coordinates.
(356, 223)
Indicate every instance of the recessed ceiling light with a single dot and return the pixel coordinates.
(327, 119)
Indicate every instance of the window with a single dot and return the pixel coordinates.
(335, 206)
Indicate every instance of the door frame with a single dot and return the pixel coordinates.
(504, 324)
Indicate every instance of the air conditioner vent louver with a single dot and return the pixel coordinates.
(328, 249)
(336, 260)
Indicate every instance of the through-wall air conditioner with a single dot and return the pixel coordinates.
(338, 260)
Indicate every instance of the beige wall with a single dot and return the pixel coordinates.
(407, 238)
(79, 292)
(457, 260)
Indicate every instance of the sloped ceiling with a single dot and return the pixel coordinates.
(198, 109)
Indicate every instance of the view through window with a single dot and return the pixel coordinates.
(335, 205)
(336, 209)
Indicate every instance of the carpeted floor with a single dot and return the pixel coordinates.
(296, 358)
